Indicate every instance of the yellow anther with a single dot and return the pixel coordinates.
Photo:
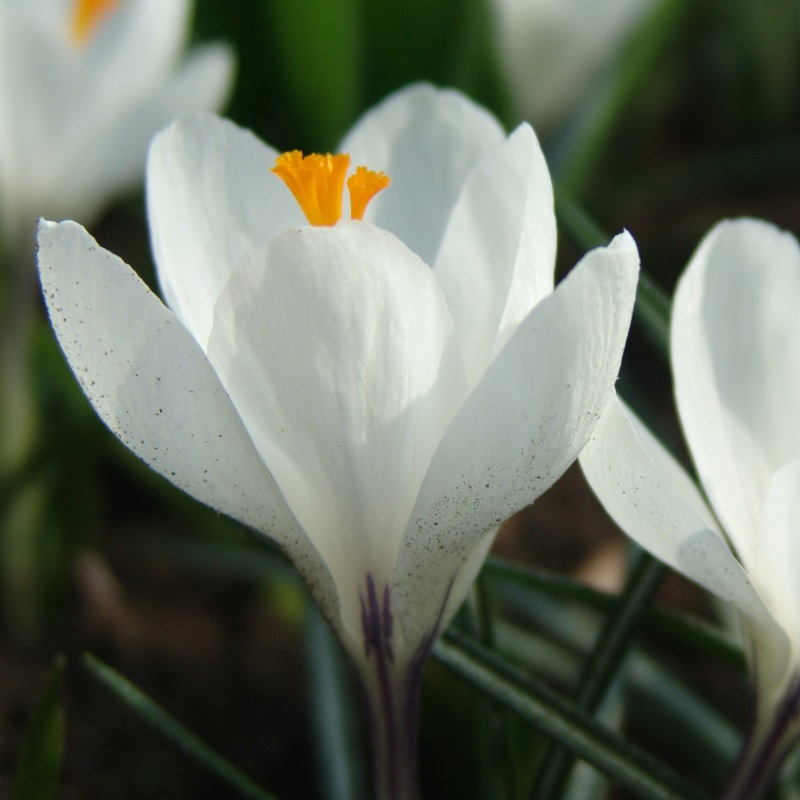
(317, 183)
(87, 16)
(364, 184)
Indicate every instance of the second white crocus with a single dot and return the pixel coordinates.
(376, 396)
(554, 52)
(84, 85)
(735, 348)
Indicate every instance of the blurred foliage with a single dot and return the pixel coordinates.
(43, 748)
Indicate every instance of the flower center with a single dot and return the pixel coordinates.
(317, 183)
(87, 16)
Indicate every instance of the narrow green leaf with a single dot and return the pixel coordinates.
(554, 716)
(166, 724)
(696, 633)
(343, 770)
(495, 752)
(704, 738)
(43, 747)
(700, 735)
(604, 662)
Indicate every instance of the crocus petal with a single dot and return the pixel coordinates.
(27, 154)
(736, 364)
(524, 424)
(210, 198)
(110, 160)
(51, 16)
(649, 495)
(114, 56)
(431, 581)
(427, 140)
(777, 564)
(152, 385)
(338, 350)
(502, 229)
(554, 51)
(102, 115)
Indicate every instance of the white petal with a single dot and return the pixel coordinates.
(337, 348)
(103, 126)
(502, 229)
(427, 140)
(111, 160)
(555, 51)
(431, 582)
(154, 388)
(736, 362)
(134, 49)
(210, 198)
(54, 17)
(777, 564)
(30, 110)
(535, 264)
(524, 424)
(647, 493)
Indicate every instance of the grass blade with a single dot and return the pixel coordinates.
(554, 716)
(343, 768)
(604, 662)
(43, 747)
(173, 730)
(696, 633)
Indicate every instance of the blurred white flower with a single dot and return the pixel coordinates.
(376, 396)
(84, 85)
(736, 367)
(554, 52)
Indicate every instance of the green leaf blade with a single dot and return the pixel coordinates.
(556, 717)
(168, 726)
(43, 748)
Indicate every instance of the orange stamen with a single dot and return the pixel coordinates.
(87, 16)
(364, 184)
(317, 183)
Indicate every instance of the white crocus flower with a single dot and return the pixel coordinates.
(736, 365)
(555, 51)
(84, 85)
(376, 396)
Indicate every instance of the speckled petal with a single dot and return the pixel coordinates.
(654, 501)
(522, 426)
(152, 385)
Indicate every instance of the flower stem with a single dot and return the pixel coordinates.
(393, 703)
(764, 751)
(392, 691)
